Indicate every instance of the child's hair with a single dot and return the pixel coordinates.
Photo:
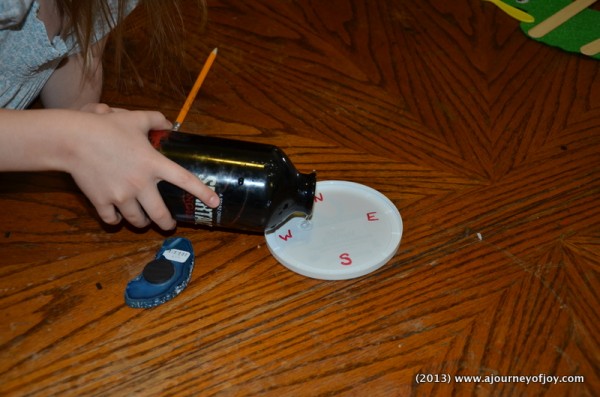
(161, 22)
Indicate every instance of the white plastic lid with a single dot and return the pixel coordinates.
(354, 230)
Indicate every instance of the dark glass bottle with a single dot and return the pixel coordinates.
(258, 185)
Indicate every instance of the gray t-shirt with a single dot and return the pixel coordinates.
(27, 57)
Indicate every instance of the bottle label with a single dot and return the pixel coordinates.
(203, 214)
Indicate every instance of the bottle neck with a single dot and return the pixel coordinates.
(305, 196)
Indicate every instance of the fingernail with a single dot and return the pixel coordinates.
(214, 201)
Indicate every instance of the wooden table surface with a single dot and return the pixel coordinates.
(487, 142)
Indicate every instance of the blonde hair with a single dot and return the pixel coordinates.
(159, 22)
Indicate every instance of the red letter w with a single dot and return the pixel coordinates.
(287, 236)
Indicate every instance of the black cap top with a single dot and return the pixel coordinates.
(158, 271)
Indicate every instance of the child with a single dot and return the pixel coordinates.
(53, 49)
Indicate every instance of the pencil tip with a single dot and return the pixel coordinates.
(214, 51)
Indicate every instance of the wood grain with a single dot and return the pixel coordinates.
(486, 141)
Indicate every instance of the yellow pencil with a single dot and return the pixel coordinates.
(192, 95)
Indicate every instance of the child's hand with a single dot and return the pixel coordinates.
(117, 168)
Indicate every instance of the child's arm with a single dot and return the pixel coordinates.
(108, 155)
(69, 88)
